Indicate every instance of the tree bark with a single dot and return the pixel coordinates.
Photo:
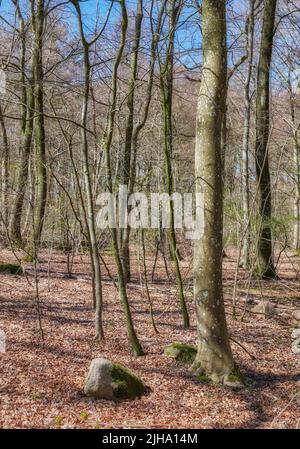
(265, 267)
(38, 17)
(214, 358)
(245, 257)
(26, 138)
(126, 163)
(132, 336)
(90, 213)
(166, 83)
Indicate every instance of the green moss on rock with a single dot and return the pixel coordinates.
(126, 385)
(181, 352)
(10, 268)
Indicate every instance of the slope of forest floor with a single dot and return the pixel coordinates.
(41, 383)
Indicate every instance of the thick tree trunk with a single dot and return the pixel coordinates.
(265, 267)
(214, 358)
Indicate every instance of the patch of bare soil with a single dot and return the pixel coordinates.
(41, 384)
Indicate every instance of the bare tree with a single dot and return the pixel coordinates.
(214, 357)
(265, 266)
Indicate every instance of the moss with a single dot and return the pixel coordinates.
(126, 385)
(236, 377)
(28, 258)
(203, 378)
(11, 268)
(181, 352)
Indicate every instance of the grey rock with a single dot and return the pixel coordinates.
(296, 315)
(108, 380)
(265, 307)
(296, 333)
(296, 346)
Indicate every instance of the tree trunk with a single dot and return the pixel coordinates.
(126, 163)
(245, 258)
(265, 267)
(4, 170)
(90, 213)
(26, 139)
(38, 17)
(166, 83)
(132, 336)
(214, 358)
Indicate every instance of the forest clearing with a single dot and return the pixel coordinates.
(150, 216)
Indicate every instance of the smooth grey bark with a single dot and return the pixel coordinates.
(265, 266)
(214, 357)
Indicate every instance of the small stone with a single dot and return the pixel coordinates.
(296, 333)
(296, 315)
(265, 307)
(108, 380)
(181, 352)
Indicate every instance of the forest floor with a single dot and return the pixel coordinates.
(41, 383)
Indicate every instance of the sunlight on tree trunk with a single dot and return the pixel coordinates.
(214, 357)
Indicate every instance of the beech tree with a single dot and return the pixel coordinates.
(214, 357)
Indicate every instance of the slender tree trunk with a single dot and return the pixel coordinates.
(90, 213)
(4, 170)
(166, 83)
(214, 357)
(245, 257)
(265, 266)
(296, 160)
(140, 125)
(26, 139)
(297, 193)
(132, 337)
(126, 163)
(38, 17)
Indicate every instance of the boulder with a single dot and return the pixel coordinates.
(296, 315)
(296, 346)
(296, 333)
(181, 352)
(108, 380)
